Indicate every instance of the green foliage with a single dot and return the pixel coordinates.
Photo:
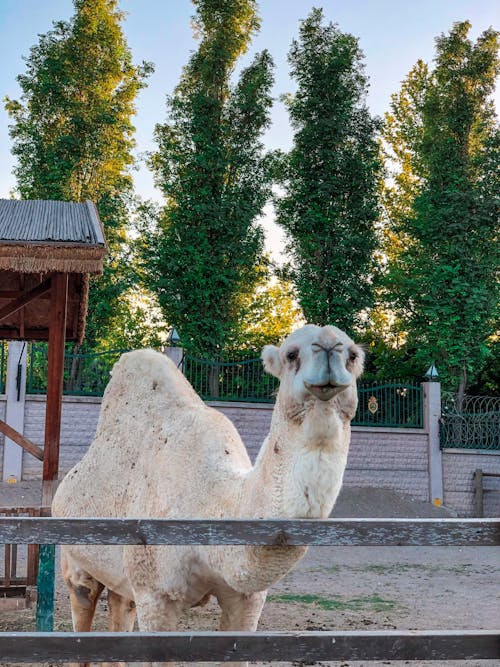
(210, 167)
(73, 135)
(442, 276)
(270, 312)
(330, 177)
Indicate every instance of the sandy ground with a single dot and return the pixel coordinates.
(355, 588)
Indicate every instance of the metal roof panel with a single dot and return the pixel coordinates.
(48, 221)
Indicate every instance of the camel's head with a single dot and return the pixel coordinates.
(315, 363)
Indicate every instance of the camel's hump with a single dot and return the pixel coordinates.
(145, 371)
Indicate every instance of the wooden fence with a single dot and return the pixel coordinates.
(243, 646)
(15, 579)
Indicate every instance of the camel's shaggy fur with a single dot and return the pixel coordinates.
(159, 451)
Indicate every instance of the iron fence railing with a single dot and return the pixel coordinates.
(470, 422)
(84, 374)
(3, 365)
(243, 380)
(393, 403)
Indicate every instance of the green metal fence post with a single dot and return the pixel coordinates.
(45, 588)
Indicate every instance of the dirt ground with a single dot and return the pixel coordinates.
(355, 588)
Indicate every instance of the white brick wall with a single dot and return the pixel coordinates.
(79, 422)
(458, 480)
(389, 458)
(381, 457)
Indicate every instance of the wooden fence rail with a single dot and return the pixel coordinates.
(339, 532)
(240, 647)
(243, 646)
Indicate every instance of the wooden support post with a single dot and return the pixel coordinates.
(57, 337)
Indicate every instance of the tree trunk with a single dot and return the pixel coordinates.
(75, 368)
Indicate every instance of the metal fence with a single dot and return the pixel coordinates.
(243, 380)
(84, 374)
(394, 403)
(472, 423)
(3, 365)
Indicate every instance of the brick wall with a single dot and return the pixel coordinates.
(79, 422)
(381, 457)
(389, 458)
(458, 480)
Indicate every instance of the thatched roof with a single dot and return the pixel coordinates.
(39, 238)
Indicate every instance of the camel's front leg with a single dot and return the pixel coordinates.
(240, 612)
(157, 612)
(122, 613)
(84, 593)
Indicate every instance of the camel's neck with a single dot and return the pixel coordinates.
(299, 470)
(298, 474)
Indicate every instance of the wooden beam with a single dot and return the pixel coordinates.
(26, 297)
(14, 333)
(258, 532)
(20, 440)
(57, 330)
(254, 646)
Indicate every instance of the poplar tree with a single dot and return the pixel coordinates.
(330, 177)
(210, 167)
(73, 137)
(443, 277)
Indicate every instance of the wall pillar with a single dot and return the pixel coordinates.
(176, 354)
(15, 391)
(432, 416)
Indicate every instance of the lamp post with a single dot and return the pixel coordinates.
(173, 338)
(432, 374)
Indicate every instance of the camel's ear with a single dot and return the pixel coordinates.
(356, 360)
(271, 360)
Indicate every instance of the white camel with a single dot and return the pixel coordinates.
(159, 451)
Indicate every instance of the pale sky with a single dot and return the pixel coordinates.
(393, 35)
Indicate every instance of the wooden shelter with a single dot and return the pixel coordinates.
(48, 250)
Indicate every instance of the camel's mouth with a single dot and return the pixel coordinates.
(325, 391)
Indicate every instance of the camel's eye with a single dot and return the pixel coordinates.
(292, 355)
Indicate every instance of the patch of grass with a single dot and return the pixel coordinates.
(372, 602)
(399, 568)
